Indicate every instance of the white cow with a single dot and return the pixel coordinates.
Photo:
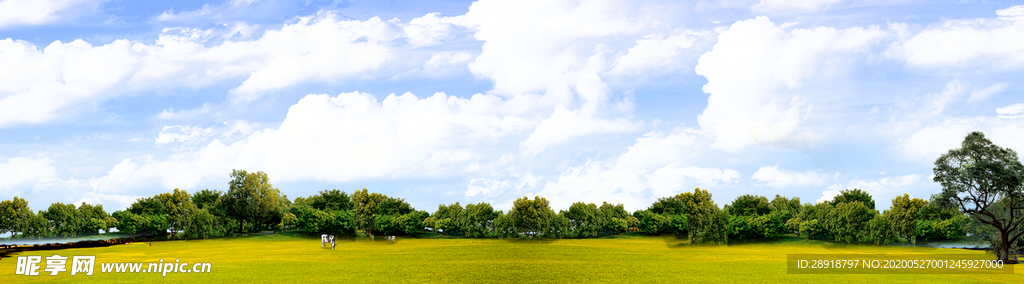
(325, 238)
(391, 239)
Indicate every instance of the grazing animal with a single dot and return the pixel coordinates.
(391, 239)
(325, 238)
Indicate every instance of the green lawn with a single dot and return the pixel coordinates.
(283, 258)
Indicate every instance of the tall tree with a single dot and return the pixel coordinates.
(750, 205)
(583, 219)
(788, 208)
(708, 223)
(531, 216)
(93, 219)
(987, 182)
(851, 195)
(615, 219)
(849, 220)
(902, 216)
(179, 208)
(333, 200)
(477, 219)
(206, 198)
(65, 219)
(251, 198)
(15, 215)
(365, 205)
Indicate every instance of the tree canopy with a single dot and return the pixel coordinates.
(986, 182)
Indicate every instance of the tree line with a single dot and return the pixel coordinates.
(253, 204)
(983, 194)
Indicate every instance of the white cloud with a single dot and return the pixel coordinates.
(25, 172)
(875, 187)
(830, 194)
(483, 186)
(887, 182)
(184, 134)
(652, 164)
(36, 180)
(445, 63)
(36, 84)
(774, 177)
(983, 94)
(807, 5)
(492, 187)
(535, 45)
(596, 182)
(1014, 13)
(749, 101)
(939, 137)
(118, 179)
(348, 137)
(565, 124)
(1010, 110)
(122, 201)
(655, 52)
(967, 42)
(227, 11)
(431, 29)
(170, 113)
(319, 48)
(949, 93)
(561, 49)
(41, 12)
(316, 49)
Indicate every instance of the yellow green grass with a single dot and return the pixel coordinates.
(286, 259)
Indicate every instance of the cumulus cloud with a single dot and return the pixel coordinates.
(751, 98)
(939, 137)
(25, 172)
(492, 187)
(780, 178)
(653, 167)
(875, 187)
(532, 46)
(41, 12)
(445, 63)
(567, 124)
(431, 29)
(655, 52)
(977, 42)
(346, 137)
(38, 85)
(562, 49)
(35, 84)
(318, 48)
(1014, 13)
(597, 182)
(118, 179)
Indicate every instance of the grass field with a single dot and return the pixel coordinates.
(286, 258)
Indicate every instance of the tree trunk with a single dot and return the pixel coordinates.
(1006, 248)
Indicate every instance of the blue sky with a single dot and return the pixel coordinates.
(444, 101)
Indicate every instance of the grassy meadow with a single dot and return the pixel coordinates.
(290, 258)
